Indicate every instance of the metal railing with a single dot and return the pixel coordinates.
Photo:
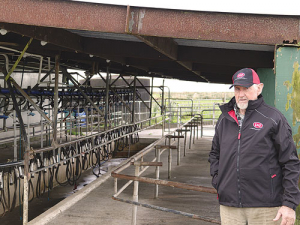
(138, 161)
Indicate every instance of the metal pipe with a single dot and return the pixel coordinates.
(93, 135)
(107, 97)
(135, 196)
(169, 159)
(133, 103)
(55, 114)
(165, 183)
(15, 136)
(157, 172)
(151, 93)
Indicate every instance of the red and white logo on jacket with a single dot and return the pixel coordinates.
(258, 125)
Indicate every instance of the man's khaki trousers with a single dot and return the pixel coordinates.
(248, 216)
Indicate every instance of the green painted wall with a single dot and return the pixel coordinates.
(287, 87)
(267, 77)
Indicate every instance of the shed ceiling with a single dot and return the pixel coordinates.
(184, 45)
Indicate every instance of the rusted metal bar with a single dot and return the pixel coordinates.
(44, 77)
(190, 125)
(165, 146)
(150, 93)
(31, 101)
(147, 163)
(193, 216)
(174, 136)
(211, 26)
(138, 155)
(165, 183)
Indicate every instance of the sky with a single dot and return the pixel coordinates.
(291, 7)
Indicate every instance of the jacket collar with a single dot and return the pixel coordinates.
(252, 104)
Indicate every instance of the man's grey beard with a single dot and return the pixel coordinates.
(242, 105)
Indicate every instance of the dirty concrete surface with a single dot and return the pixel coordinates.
(99, 208)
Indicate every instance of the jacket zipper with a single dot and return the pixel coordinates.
(238, 166)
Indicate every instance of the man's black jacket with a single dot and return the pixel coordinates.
(257, 166)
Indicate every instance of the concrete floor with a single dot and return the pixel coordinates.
(93, 203)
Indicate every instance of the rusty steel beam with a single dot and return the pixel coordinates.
(59, 37)
(168, 47)
(165, 182)
(225, 27)
(64, 14)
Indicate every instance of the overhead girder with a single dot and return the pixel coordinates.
(158, 55)
(168, 47)
(214, 26)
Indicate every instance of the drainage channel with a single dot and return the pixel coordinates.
(57, 194)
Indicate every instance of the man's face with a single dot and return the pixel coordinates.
(243, 95)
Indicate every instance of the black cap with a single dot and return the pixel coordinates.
(245, 77)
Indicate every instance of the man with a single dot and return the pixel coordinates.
(254, 162)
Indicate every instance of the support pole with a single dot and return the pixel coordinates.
(133, 102)
(107, 98)
(135, 195)
(151, 93)
(55, 114)
(178, 149)
(162, 108)
(157, 150)
(169, 160)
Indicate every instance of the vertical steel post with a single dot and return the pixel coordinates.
(184, 144)
(26, 156)
(151, 93)
(163, 108)
(133, 102)
(86, 121)
(15, 135)
(195, 124)
(178, 149)
(135, 197)
(157, 150)
(214, 108)
(191, 134)
(169, 159)
(107, 98)
(26, 186)
(116, 185)
(28, 127)
(180, 116)
(55, 114)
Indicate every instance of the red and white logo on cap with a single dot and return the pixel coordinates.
(258, 125)
(240, 75)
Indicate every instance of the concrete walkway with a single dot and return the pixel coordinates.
(93, 204)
